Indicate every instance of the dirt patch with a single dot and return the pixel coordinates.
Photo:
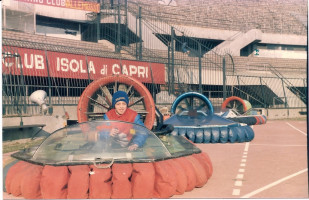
(16, 145)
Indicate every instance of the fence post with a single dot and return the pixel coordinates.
(306, 91)
(98, 23)
(4, 17)
(200, 67)
(136, 52)
(126, 22)
(50, 110)
(140, 33)
(169, 67)
(263, 94)
(18, 91)
(88, 70)
(224, 78)
(238, 82)
(118, 29)
(285, 103)
(172, 52)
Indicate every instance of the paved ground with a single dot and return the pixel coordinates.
(273, 165)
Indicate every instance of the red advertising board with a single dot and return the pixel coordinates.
(73, 4)
(34, 62)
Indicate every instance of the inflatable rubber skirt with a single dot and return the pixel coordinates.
(84, 161)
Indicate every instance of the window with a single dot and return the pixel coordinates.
(272, 46)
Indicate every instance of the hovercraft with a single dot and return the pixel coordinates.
(81, 161)
(193, 117)
(240, 110)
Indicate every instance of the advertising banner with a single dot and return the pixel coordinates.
(72, 4)
(33, 62)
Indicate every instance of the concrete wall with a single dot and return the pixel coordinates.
(267, 53)
(52, 122)
(286, 39)
(267, 38)
(234, 44)
(284, 113)
(45, 10)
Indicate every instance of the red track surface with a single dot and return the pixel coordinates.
(272, 165)
(266, 167)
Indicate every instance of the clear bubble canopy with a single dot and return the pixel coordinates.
(91, 143)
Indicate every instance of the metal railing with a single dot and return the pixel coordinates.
(190, 65)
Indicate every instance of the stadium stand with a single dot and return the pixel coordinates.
(269, 16)
(60, 45)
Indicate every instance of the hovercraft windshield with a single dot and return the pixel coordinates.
(91, 143)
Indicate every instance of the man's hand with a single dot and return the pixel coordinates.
(114, 132)
(132, 147)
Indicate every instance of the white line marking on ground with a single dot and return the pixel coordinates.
(247, 146)
(238, 183)
(239, 176)
(296, 128)
(279, 145)
(241, 170)
(236, 192)
(273, 184)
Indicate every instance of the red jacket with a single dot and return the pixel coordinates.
(128, 116)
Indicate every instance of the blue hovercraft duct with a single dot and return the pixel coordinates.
(206, 127)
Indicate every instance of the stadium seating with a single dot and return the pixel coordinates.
(61, 45)
(269, 16)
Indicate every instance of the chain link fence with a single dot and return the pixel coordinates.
(129, 33)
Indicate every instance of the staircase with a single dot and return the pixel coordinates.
(290, 88)
(235, 43)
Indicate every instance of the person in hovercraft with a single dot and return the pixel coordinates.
(125, 136)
